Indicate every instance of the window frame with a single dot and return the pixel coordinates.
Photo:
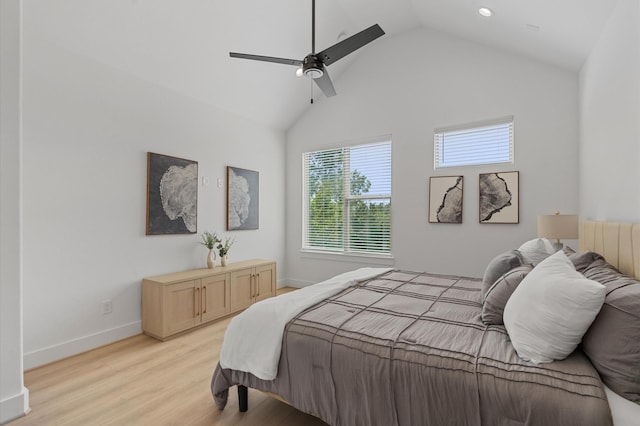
(439, 139)
(345, 252)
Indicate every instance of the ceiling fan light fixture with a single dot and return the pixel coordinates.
(313, 73)
(299, 72)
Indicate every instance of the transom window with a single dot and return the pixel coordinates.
(347, 199)
(486, 142)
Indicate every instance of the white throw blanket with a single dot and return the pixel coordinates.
(253, 339)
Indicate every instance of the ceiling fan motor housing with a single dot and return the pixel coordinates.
(312, 67)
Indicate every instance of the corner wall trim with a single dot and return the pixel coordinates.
(15, 406)
(82, 344)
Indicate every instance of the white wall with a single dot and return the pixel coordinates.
(87, 130)
(610, 120)
(14, 397)
(406, 86)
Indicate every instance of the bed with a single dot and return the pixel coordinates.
(404, 347)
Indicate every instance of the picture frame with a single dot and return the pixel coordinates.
(243, 199)
(446, 194)
(172, 195)
(499, 197)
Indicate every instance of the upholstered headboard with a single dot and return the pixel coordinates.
(619, 243)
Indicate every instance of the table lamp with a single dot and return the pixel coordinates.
(558, 227)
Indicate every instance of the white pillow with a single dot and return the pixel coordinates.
(551, 309)
(536, 250)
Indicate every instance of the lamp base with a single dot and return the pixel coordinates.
(557, 246)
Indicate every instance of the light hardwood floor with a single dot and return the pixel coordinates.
(142, 381)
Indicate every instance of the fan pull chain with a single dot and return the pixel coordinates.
(311, 90)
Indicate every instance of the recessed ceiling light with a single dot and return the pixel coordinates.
(485, 11)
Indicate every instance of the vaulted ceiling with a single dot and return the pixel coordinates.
(184, 45)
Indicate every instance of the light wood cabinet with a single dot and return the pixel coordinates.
(266, 284)
(250, 285)
(181, 306)
(215, 297)
(175, 303)
(242, 288)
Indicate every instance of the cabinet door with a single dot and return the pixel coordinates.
(265, 282)
(241, 289)
(181, 306)
(215, 297)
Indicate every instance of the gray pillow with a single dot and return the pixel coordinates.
(612, 343)
(583, 260)
(501, 264)
(498, 294)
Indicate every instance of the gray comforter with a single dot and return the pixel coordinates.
(410, 349)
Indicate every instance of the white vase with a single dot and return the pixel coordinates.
(211, 259)
(223, 260)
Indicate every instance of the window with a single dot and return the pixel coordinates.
(477, 143)
(347, 199)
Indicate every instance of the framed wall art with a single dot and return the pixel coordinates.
(243, 196)
(445, 199)
(172, 195)
(499, 197)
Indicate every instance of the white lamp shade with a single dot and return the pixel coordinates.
(558, 226)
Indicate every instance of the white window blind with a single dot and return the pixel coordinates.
(347, 199)
(477, 143)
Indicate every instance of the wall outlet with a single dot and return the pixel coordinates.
(107, 307)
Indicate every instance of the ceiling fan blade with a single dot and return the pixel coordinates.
(349, 45)
(285, 61)
(325, 84)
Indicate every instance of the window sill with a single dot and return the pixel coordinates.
(365, 258)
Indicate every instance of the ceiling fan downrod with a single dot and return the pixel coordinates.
(313, 27)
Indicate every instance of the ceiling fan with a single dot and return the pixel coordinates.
(314, 65)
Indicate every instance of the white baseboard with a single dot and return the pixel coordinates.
(15, 406)
(288, 282)
(79, 345)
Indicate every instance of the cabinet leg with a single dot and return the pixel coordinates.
(243, 398)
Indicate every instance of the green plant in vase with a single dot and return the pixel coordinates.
(223, 249)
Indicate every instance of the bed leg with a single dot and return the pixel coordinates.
(243, 398)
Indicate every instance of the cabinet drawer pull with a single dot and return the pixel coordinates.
(253, 286)
(257, 285)
(204, 300)
(197, 300)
